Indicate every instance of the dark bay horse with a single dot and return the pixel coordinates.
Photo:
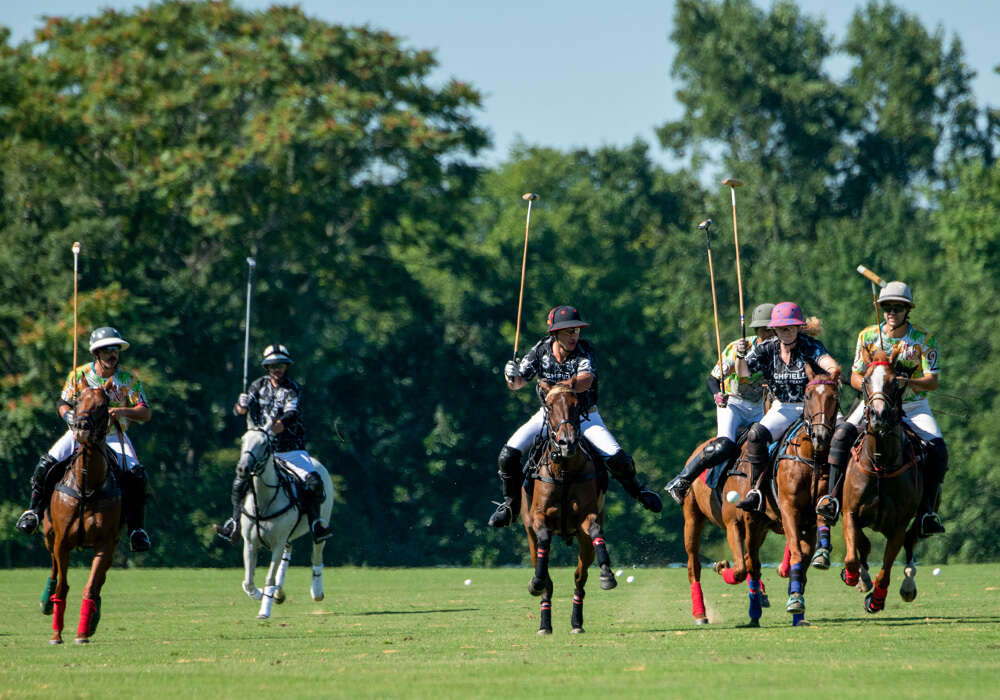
(85, 512)
(795, 488)
(565, 501)
(882, 485)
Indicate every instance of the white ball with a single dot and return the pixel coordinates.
(468, 582)
(619, 572)
(630, 579)
(733, 496)
(936, 572)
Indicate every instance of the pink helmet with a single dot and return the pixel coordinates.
(787, 313)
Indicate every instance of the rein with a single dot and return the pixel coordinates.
(282, 485)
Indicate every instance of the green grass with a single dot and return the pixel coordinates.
(423, 633)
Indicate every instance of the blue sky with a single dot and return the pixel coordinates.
(562, 73)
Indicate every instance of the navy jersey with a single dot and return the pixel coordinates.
(268, 403)
(542, 362)
(787, 381)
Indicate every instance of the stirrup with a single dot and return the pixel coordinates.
(829, 508)
(503, 515)
(227, 531)
(752, 502)
(28, 522)
(678, 489)
(930, 524)
(138, 540)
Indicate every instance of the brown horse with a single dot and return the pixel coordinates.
(795, 488)
(85, 511)
(882, 486)
(565, 501)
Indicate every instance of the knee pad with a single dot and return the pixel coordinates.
(721, 448)
(759, 434)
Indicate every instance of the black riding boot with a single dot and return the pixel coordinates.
(229, 529)
(29, 520)
(840, 450)
(511, 478)
(313, 496)
(135, 508)
(935, 466)
(758, 439)
(717, 451)
(622, 468)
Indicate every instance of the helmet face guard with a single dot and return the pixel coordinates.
(276, 354)
(105, 337)
(563, 317)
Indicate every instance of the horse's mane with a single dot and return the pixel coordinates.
(557, 390)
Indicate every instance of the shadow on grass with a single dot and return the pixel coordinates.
(891, 621)
(416, 612)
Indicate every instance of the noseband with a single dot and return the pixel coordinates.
(809, 419)
(255, 464)
(890, 401)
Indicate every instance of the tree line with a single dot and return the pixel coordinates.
(177, 139)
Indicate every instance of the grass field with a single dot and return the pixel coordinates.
(424, 633)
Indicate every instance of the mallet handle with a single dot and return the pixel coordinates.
(76, 339)
(733, 184)
(531, 198)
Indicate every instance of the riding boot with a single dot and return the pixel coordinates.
(758, 439)
(313, 495)
(29, 520)
(716, 452)
(840, 450)
(622, 467)
(135, 508)
(511, 478)
(935, 466)
(229, 529)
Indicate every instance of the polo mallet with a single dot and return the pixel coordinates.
(706, 226)
(874, 279)
(732, 184)
(530, 197)
(251, 264)
(76, 338)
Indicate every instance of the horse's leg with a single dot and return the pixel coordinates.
(875, 601)
(249, 564)
(270, 588)
(799, 549)
(90, 607)
(852, 561)
(585, 557)
(735, 535)
(316, 588)
(694, 524)
(545, 610)
(786, 560)
(755, 538)
(50, 583)
(540, 580)
(864, 549)
(908, 589)
(279, 579)
(592, 527)
(60, 553)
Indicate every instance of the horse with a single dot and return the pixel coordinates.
(745, 532)
(882, 486)
(271, 518)
(85, 511)
(565, 501)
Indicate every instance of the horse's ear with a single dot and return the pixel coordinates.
(109, 385)
(810, 373)
(895, 353)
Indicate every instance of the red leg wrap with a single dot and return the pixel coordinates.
(58, 613)
(786, 563)
(697, 601)
(729, 576)
(851, 579)
(88, 615)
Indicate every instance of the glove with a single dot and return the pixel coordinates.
(243, 401)
(721, 399)
(510, 371)
(742, 348)
(68, 417)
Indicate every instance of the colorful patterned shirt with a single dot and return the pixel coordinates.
(918, 357)
(541, 361)
(126, 389)
(752, 388)
(787, 382)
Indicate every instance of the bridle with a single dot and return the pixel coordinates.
(256, 464)
(891, 401)
(809, 419)
(573, 419)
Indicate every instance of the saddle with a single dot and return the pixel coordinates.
(533, 464)
(110, 489)
(915, 450)
(715, 478)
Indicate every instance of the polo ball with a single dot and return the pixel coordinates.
(619, 572)
(733, 496)
(630, 579)
(468, 582)
(936, 572)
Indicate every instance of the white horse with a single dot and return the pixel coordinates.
(271, 519)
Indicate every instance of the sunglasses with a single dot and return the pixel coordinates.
(571, 331)
(894, 308)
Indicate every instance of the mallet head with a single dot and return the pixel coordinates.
(529, 196)
(732, 182)
(251, 262)
(704, 224)
(76, 247)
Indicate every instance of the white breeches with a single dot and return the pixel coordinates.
(737, 413)
(300, 462)
(593, 429)
(916, 414)
(67, 443)
(780, 417)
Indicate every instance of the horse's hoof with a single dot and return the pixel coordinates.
(850, 580)
(753, 623)
(783, 570)
(279, 597)
(536, 587)
(81, 640)
(765, 602)
(821, 559)
(542, 632)
(318, 598)
(719, 566)
(865, 583)
(577, 630)
(870, 605)
(908, 596)
(608, 582)
(802, 623)
(701, 621)
(796, 604)
(55, 641)
(262, 616)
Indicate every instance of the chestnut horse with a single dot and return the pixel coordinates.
(85, 511)
(790, 507)
(565, 501)
(882, 486)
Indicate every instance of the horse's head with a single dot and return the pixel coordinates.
(563, 414)
(91, 417)
(255, 453)
(819, 410)
(882, 393)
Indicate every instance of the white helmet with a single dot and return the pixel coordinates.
(106, 336)
(276, 354)
(896, 291)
